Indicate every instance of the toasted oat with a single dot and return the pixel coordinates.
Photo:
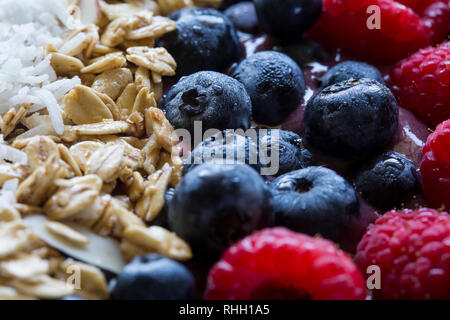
(159, 27)
(151, 153)
(25, 266)
(160, 240)
(102, 128)
(87, 79)
(147, 42)
(44, 287)
(152, 201)
(135, 186)
(83, 106)
(114, 11)
(113, 82)
(82, 151)
(123, 217)
(66, 156)
(107, 62)
(8, 293)
(16, 238)
(40, 185)
(12, 118)
(144, 99)
(162, 128)
(92, 281)
(155, 59)
(11, 171)
(116, 32)
(156, 78)
(126, 100)
(113, 108)
(107, 162)
(67, 233)
(133, 157)
(101, 50)
(27, 210)
(142, 78)
(9, 213)
(130, 250)
(93, 39)
(65, 65)
(69, 200)
(39, 150)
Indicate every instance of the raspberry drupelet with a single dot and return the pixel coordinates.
(281, 264)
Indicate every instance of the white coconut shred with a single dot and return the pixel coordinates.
(26, 76)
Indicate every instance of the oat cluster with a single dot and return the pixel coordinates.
(106, 174)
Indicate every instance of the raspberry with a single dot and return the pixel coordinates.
(421, 83)
(281, 264)
(435, 167)
(406, 26)
(412, 249)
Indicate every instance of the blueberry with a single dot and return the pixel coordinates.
(315, 200)
(292, 155)
(387, 180)
(303, 51)
(216, 205)
(215, 99)
(275, 84)
(225, 147)
(205, 39)
(162, 218)
(243, 16)
(350, 70)
(287, 18)
(351, 119)
(154, 277)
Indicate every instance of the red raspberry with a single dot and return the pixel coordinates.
(435, 167)
(421, 83)
(281, 264)
(406, 26)
(412, 250)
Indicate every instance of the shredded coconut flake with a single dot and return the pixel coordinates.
(26, 76)
(11, 154)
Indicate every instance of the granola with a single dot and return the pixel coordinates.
(96, 183)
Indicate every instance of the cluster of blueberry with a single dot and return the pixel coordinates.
(350, 123)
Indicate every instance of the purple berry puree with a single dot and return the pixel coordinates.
(409, 139)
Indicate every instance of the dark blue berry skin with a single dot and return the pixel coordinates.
(243, 16)
(154, 277)
(292, 153)
(216, 99)
(216, 205)
(350, 70)
(350, 119)
(287, 18)
(315, 200)
(303, 51)
(275, 84)
(205, 39)
(162, 218)
(387, 180)
(215, 149)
